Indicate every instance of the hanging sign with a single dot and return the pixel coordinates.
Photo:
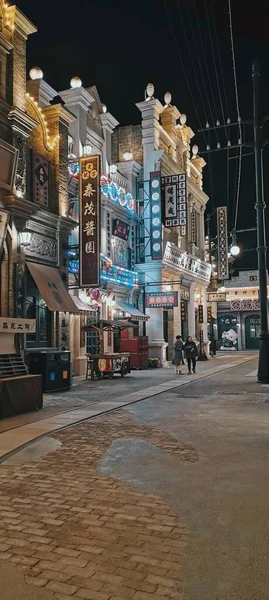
(161, 299)
(200, 313)
(121, 229)
(89, 222)
(186, 263)
(175, 201)
(216, 297)
(245, 304)
(41, 180)
(223, 265)
(183, 311)
(4, 218)
(209, 314)
(155, 216)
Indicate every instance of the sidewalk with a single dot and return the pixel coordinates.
(67, 409)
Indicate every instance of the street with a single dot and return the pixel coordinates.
(166, 498)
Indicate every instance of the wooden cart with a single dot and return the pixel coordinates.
(110, 363)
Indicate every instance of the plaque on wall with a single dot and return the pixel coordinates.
(40, 180)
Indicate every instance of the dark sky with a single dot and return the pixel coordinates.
(122, 45)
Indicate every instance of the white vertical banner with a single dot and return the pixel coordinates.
(223, 265)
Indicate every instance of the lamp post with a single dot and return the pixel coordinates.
(263, 367)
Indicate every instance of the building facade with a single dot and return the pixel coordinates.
(238, 320)
(34, 266)
(170, 251)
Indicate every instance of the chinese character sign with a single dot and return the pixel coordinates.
(155, 216)
(121, 229)
(9, 325)
(200, 313)
(41, 180)
(223, 265)
(175, 201)
(161, 299)
(89, 222)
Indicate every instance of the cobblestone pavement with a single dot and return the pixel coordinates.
(80, 534)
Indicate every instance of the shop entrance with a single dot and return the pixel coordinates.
(36, 308)
(253, 330)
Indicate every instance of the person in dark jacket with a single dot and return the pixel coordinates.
(191, 353)
(178, 354)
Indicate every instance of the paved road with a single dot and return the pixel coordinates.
(167, 498)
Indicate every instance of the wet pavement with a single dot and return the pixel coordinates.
(166, 498)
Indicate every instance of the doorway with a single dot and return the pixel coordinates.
(253, 330)
(36, 308)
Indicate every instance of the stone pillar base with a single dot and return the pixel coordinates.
(157, 350)
(80, 365)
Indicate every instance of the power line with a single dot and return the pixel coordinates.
(238, 116)
(214, 61)
(219, 57)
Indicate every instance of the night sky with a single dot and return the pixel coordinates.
(120, 46)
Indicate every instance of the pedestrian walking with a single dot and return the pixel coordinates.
(191, 353)
(178, 354)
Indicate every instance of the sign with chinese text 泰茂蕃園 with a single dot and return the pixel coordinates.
(40, 180)
(175, 201)
(4, 218)
(161, 299)
(223, 265)
(9, 325)
(155, 216)
(89, 222)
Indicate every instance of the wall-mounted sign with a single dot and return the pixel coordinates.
(89, 222)
(209, 314)
(119, 252)
(195, 267)
(121, 229)
(247, 304)
(184, 293)
(161, 299)
(200, 313)
(9, 325)
(183, 311)
(175, 201)
(4, 218)
(223, 265)
(155, 216)
(216, 297)
(40, 180)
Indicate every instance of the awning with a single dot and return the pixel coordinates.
(107, 325)
(136, 314)
(52, 288)
(81, 306)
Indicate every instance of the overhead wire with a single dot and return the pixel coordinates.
(238, 117)
(219, 58)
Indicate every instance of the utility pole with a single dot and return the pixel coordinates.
(263, 367)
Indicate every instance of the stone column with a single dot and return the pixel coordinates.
(177, 314)
(204, 324)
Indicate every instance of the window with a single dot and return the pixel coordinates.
(36, 308)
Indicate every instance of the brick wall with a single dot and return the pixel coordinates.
(126, 139)
(19, 71)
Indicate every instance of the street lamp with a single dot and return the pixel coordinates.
(234, 250)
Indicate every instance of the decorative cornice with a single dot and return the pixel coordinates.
(130, 167)
(21, 23)
(150, 106)
(196, 192)
(57, 111)
(29, 210)
(108, 122)
(21, 122)
(42, 92)
(5, 44)
(77, 96)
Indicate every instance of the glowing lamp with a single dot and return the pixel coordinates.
(36, 73)
(113, 169)
(25, 238)
(87, 150)
(168, 288)
(167, 98)
(150, 90)
(75, 82)
(104, 108)
(128, 155)
(222, 288)
(234, 250)
(195, 150)
(183, 119)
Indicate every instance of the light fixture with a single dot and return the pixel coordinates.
(208, 147)
(113, 169)
(128, 155)
(183, 119)
(197, 296)
(19, 193)
(234, 250)
(207, 125)
(228, 121)
(104, 108)
(229, 143)
(149, 91)
(167, 99)
(25, 238)
(217, 123)
(75, 82)
(222, 288)
(239, 142)
(168, 288)
(195, 150)
(36, 73)
(87, 150)
(218, 145)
